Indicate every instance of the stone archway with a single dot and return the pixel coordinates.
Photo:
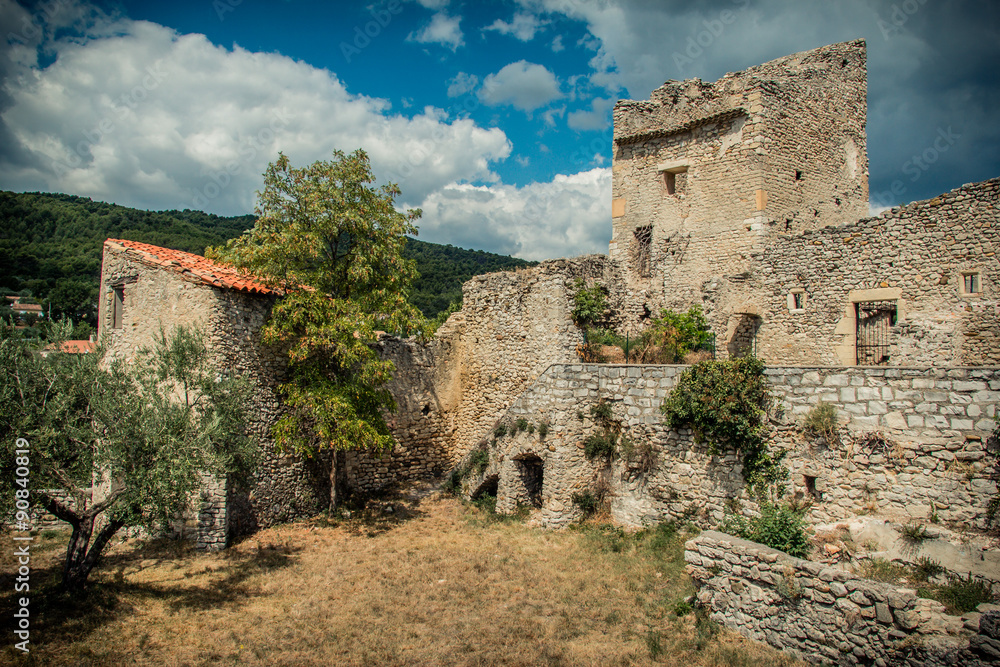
(531, 477)
(742, 339)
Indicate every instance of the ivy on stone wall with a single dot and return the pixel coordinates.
(726, 403)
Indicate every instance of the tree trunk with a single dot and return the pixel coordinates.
(338, 479)
(80, 560)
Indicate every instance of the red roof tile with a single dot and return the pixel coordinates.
(192, 267)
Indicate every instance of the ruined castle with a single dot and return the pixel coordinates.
(747, 196)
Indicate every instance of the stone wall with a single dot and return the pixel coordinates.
(916, 256)
(157, 298)
(713, 170)
(912, 444)
(824, 614)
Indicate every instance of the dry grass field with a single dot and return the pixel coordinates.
(405, 581)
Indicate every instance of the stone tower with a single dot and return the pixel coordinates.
(704, 173)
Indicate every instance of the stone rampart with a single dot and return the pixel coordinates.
(912, 445)
(824, 614)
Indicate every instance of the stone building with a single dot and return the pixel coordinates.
(749, 196)
(146, 289)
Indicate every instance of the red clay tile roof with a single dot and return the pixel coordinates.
(191, 267)
(75, 346)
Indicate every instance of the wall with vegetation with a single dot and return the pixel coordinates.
(824, 614)
(910, 443)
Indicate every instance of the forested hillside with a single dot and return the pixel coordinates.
(50, 250)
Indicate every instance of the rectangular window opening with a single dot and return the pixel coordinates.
(671, 180)
(675, 179)
(644, 243)
(970, 283)
(875, 320)
(810, 483)
(798, 175)
(118, 307)
(798, 300)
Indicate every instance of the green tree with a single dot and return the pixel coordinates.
(335, 243)
(125, 445)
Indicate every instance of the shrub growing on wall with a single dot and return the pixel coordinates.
(725, 403)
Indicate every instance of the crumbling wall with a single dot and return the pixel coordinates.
(824, 614)
(930, 458)
(712, 170)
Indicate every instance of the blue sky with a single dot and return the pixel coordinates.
(494, 117)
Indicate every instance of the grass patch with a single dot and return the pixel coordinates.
(442, 587)
(960, 595)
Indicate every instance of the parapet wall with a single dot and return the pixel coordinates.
(824, 614)
(930, 458)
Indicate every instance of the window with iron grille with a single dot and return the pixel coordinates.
(875, 320)
(643, 250)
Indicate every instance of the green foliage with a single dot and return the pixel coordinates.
(600, 445)
(521, 424)
(915, 532)
(586, 501)
(822, 421)
(961, 594)
(672, 336)
(726, 403)
(602, 413)
(500, 430)
(589, 303)
(682, 608)
(442, 317)
(638, 454)
(52, 243)
(335, 242)
(543, 430)
(443, 269)
(925, 568)
(778, 526)
(153, 426)
(479, 461)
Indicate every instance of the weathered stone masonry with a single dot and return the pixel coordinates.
(825, 614)
(146, 289)
(937, 420)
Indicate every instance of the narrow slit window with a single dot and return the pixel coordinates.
(644, 243)
(798, 175)
(670, 178)
(797, 301)
(971, 283)
(117, 307)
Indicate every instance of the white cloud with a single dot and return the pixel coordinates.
(442, 29)
(522, 26)
(549, 115)
(557, 44)
(433, 4)
(461, 84)
(526, 86)
(597, 117)
(150, 118)
(565, 217)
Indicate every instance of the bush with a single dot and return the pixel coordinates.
(479, 461)
(672, 336)
(600, 445)
(589, 304)
(586, 501)
(500, 431)
(925, 568)
(960, 595)
(639, 455)
(543, 430)
(725, 402)
(822, 421)
(778, 526)
(520, 425)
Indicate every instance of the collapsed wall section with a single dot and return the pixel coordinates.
(825, 614)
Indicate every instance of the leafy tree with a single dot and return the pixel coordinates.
(672, 335)
(335, 243)
(147, 432)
